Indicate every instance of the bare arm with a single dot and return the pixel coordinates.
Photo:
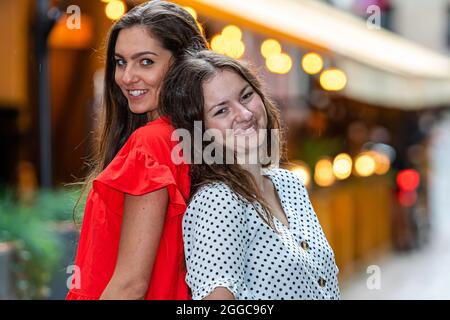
(142, 225)
(220, 293)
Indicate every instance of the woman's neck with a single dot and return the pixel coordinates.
(256, 170)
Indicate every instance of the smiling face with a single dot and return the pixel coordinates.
(141, 65)
(233, 107)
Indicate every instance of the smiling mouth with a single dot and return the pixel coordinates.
(245, 130)
(136, 93)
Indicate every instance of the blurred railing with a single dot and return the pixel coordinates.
(356, 216)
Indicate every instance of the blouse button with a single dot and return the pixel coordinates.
(322, 282)
(304, 245)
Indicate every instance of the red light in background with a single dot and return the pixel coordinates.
(407, 198)
(408, 180)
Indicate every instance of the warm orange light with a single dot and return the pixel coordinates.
(232, 32)
(115, 9)
(303, 173)
(365, 165)
(218, 44)
(312, 63)
(191, 11)
(64, 38)
(383, 164)
(270, 47)
(229, 42)
(200, 27)
(235, 49)
(333, 80)
(342, 166)
(323, 173)
(279, 63)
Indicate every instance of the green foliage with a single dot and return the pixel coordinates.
(56, 205)
(31, 229)
(311, 150)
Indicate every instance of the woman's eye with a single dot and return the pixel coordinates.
(120, 62)
(147, 62)
(247, 95)
(220, 111)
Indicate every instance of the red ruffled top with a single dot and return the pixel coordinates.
(142, 165)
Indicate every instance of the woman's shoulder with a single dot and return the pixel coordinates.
(217, 195)
(286, 176)
(154, 139)
(216, 191)
(159, 130)
(216, 201)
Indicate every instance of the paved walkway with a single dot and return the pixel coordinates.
(422, 273)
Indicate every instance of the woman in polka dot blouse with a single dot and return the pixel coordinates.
(250, 231)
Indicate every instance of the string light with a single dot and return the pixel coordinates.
(115, 9)
(323, 173)
(342, 166)
(333, 80)
(312, 63)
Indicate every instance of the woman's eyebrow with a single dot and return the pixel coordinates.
(137, 55)
(225, 101)
(243, 89)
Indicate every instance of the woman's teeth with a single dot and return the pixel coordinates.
(137, 93)
(244, 131)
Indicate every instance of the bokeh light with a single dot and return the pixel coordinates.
(115, 9)
(303, 172)
(235, 49)
(333, 80)
(191, 11)
(382, 163)
(323, 173)
(270, 47)
(365, 165)
(312, 63)
(229, 42)
(232, 32)
(279, 63)
(342, 166)
(218, 44)
(407, 198)
(408, 180)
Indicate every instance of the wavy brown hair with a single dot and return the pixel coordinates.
(177, 31)
(182, 100)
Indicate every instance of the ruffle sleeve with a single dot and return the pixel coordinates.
(134, 171)
(75, 296)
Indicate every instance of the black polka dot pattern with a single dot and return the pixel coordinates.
(228, 245)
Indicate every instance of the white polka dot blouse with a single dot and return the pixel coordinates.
(228, 245)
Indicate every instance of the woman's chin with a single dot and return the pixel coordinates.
(140, 109)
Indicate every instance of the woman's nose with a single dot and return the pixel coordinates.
(242, 113)
(129, 76)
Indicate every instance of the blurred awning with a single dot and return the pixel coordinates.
(382, 67)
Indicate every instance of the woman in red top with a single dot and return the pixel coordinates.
(131, 243)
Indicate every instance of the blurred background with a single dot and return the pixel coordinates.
(364, 91)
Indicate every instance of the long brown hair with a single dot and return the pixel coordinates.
(177, 31)
(182, 100)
